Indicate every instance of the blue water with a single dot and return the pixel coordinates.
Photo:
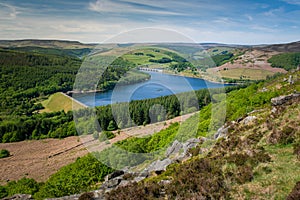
(159, 85)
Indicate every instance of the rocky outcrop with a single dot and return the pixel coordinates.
(113, 175)
(174, 148)
(248, 120)
(19, 197)
(159, 165)
(222, 132)
(281, 100)
(179, 151)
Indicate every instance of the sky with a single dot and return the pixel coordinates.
(96, 21)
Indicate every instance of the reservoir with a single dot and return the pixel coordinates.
(159, 84)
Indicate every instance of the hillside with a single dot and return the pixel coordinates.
(255, 157)
(258, 63)
(289, 47)
(245, 158)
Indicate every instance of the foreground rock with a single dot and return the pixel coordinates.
(277, 101)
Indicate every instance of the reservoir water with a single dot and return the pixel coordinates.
(159, 84)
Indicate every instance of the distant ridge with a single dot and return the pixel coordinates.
(287, 47)
(68, 44)
(60, 44)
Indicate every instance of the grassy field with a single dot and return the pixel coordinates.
(245, 73)
(144, 59)
(58, 102)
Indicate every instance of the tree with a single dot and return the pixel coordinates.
(111, 126)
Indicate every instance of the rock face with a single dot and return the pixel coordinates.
(248, 120)
(277, 101)
(291, 80)
(178, 151)
(159, 165)
(222, 132)
(174, 148)
(113, 175)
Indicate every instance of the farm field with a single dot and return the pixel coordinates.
(245, 73)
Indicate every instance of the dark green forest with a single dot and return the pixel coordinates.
(286, 61)
(27, 78)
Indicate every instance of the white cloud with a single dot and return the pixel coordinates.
(225, 21)
(273, 12)
(104, 6)
(8, 11)
(294, 2)
(262, 28)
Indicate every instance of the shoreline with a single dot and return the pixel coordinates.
(75, 100)
(163, 72)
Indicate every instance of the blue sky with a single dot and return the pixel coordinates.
(230, 21)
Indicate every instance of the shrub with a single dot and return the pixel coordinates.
(75, 178)
(4, 153)
(3, 192)
(96, 135)
(106, 135)
(22, 186)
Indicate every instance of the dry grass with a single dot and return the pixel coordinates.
(246, 73)
(38, 159)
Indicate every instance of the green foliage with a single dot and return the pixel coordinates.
(4, 153)
(53, 51)
(133, 76)
(22, 186)
(162, 60)
(214, 60)
(75, 178)
(96, 135)
(181, 66)
(106, 135)
(123, 154)
(222, 59)
(117, 71)
(286, 61)
(45, 125)
(3, 192)
(152, 143)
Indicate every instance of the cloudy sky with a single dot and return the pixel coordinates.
(230, 21)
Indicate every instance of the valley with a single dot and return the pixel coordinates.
(54, 142)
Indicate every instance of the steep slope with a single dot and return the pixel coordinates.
(258, 158)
